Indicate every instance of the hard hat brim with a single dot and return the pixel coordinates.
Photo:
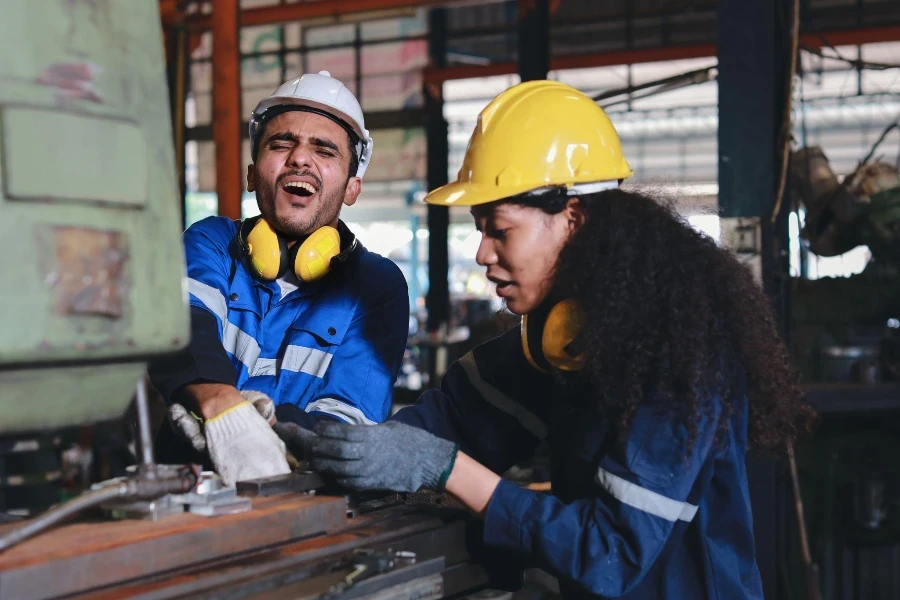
(473, 194)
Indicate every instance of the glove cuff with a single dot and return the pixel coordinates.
(233, 422)
(442, 481)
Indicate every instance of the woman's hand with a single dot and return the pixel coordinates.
(389, 456)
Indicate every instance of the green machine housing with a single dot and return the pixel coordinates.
(90, 222)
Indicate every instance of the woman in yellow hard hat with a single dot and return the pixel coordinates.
(647, 360)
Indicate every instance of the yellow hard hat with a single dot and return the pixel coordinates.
(534, 135)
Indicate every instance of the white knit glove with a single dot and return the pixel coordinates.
(190, 427)
(242, 445)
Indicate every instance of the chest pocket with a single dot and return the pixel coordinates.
(314, 337)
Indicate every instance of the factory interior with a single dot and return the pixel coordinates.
(139, 179)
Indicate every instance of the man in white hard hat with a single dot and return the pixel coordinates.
(291, 316)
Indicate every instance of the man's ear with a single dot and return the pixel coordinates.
(354, 187)
(575, 214)
(251, 178)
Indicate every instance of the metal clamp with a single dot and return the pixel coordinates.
(368, 563)
(208, 498)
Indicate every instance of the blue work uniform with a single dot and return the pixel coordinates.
(642, 517)
(327, 349)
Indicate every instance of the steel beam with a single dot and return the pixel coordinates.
(304, 11)
(534, 39)
(227, 107)
(437, 299)
(843, 37)
(753, 63)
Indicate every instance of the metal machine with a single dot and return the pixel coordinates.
(94, 288)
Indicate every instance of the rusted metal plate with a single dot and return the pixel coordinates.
(88, 273)
(85, 556)
(310, 560)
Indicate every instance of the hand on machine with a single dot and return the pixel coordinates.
(388, 456)
(240, 440)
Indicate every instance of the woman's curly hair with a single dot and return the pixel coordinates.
(672, 316)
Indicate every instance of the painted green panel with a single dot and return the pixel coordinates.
(114, 170)
(93, 263)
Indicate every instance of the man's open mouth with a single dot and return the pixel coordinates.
(299, 188)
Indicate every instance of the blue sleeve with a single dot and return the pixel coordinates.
(204, 360)
(487, 424)
(358, 386)
(606, 544)
(206, 248)
(208, 268)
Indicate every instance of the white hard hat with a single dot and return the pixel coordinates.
(321, 94)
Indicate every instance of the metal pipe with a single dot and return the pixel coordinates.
(60, 513)
(143, 413)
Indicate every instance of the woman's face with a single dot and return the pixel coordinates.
(519, 249)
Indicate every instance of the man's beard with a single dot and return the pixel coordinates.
(328, 209)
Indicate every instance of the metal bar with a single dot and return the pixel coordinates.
(305, 481)
(575, 61)
(317, 9)
(143, 415)
(842, 37)
(227, 107)
(534, 39)
(357, 62)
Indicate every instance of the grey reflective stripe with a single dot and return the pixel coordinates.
(263, 366)
(210, 297)
(644, 499)
(241, 345)
(306, 360)
(339, 409)
(296, 358)
(492, 395)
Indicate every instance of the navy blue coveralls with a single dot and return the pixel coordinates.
(643, 519)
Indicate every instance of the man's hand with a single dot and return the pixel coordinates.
(242, 445)
(213, 398)
(239, 439)
(389, 456)
(190, 426)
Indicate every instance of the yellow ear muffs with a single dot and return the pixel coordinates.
(546, 333)
(265, 249)
(311, 260)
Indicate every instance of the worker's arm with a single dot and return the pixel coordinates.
(470, 412)
(604, 544)
(486, 417)
(202, 376)
(358, 386)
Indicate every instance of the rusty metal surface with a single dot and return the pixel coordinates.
(88, 274)
(310, 560)
(85, 556)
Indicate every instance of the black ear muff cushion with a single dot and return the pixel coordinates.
(286, 257)
(533, 338)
